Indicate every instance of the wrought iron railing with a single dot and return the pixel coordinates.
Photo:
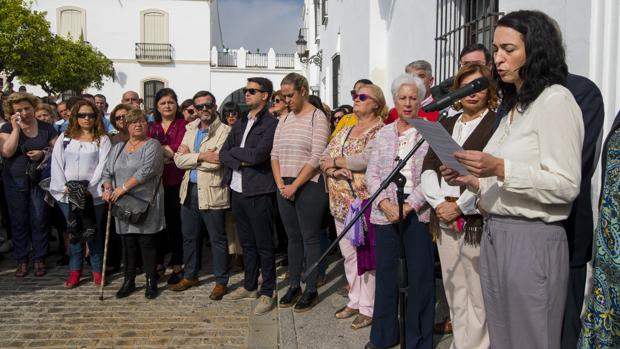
(258, 60)
(285, 60)
(153, 52)
(227, 59)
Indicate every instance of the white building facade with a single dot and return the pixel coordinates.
(377, 39)
(155, 44)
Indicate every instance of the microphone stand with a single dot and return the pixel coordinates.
(397, 178)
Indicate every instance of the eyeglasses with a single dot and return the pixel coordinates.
(230, 113)
(251, 91)
(276, 101)
(202, 107)
(91, 116)
(119, 117)
(362, 97)
(190, 111)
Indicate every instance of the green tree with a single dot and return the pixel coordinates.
(25, 39)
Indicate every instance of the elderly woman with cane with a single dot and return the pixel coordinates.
(78, 160)
(132, 183)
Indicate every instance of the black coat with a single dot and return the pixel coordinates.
(579, 224)
(256, 175)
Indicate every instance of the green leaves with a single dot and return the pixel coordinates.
(30, 51)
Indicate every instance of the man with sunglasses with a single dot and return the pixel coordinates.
(247, 156)
(203, 202)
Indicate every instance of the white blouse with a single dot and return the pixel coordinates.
(541, 149)
(78, 161)
(436, 192)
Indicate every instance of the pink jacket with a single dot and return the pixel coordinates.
(382, 162)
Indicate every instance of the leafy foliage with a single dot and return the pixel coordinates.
(30, 51)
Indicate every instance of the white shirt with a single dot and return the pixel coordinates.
(405, 143)
(235, 182)
(541, 149)
(436, 192)
(78, 161)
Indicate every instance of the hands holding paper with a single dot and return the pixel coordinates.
(478, 163)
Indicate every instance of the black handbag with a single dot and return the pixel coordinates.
(129, 208)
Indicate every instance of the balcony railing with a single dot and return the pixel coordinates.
(227, 59)
(285, 60)
(153, 52)
(256, 60)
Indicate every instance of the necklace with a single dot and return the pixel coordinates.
(131, 147)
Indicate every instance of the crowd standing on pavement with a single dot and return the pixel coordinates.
(512, 235)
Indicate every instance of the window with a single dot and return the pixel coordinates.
(150, 89)
(335, 81)
(154, 44)
(72, 22)
(460, 23)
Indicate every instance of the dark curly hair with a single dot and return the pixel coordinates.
(545, 62)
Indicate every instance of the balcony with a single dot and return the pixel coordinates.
(155, 53)
(243, 59)
(227, 58)
(256, 60)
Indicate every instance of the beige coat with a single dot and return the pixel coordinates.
(210, 194)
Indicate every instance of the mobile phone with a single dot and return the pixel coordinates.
(18, 118)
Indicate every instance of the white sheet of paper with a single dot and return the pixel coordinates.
(441, 142)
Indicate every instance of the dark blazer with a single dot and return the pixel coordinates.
(579, 224)
(256, 176)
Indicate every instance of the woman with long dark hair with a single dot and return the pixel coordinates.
(169, 129)
(77, 163)
(526, 179)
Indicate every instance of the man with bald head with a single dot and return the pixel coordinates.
(131, 97)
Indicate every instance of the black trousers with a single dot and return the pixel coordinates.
(133, 246)
(571, 325)
(254, 220)
(170, 240)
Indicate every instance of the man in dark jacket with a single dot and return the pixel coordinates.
(246, 153)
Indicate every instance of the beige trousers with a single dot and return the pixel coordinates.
(461, 281)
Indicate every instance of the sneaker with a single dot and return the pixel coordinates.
(241, 293)
(6, 246)
(265, 304)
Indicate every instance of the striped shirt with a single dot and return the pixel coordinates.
(300, 140)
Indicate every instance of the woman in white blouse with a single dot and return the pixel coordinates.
(526, 180)
(455, 221)
(80, 156)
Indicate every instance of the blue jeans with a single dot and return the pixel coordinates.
(76, 251)
(192, 218)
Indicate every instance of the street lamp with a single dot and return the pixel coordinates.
(302, 52)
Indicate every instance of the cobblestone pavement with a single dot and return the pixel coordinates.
(38, 312)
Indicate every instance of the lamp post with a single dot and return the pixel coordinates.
(302, 52)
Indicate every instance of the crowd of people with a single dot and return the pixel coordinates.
(513, 234)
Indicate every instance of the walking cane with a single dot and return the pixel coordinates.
(105, 249)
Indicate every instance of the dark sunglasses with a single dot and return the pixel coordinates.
(230, 113)
(276, 101)
(251, 91)
(91, 116)
(119, 117)
(202, 107)
(190, 111)
(362, 96)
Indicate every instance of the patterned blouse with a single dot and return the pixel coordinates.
(343, 145)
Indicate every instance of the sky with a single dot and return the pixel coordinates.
(261, 24)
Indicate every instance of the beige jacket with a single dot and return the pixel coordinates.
(210, 194)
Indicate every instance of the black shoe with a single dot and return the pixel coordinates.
(307, 301)
(151, 288)
(64, 260)
(129, 285)
(175, 278)
(290, 297)
(369, 345)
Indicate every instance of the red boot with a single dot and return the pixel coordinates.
(74, 279)
(97, 278)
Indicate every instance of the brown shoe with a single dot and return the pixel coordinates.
(361, 321)
(22, 270)
(218, 292)
(184, 284)
(444, 327)
(39, 269)
(346, 312)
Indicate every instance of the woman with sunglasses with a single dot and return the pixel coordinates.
(24, 142)
(279, 107)
(299, 141)
(188, 111)
(117, 119)
(344, 163)
(395, 141)
(230, 113)
(169, 129)
(78, 160)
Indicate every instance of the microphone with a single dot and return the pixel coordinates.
(469, 89)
